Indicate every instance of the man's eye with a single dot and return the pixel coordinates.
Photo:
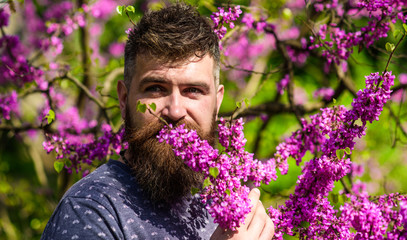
(193, 90)
(154, 88)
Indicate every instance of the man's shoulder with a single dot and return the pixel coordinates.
(95, 206)
(113, 176)
(109, 200)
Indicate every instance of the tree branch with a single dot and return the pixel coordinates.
(289, 66)
(86, 91)
(85, 60)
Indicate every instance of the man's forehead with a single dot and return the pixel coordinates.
(147, 58)
(148, 66)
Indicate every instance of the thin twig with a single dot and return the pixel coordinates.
(160, 118)
(89, 95)
(347, 190)
(20, 128)
(392, 52)
(127, 13)
(289, 66)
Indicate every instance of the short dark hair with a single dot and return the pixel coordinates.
(172, 34)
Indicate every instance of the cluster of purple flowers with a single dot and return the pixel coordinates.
(309, 204)
(61, 28)
(8, 105)
(331, 5)
(283, 84)
(326, 134)
(225, 17)
(3, 18)
(324, 93)
(251, 23)
(74, 140)
(337, 44)
(83, 148)
(383, 217)
(14, 67)
(227, 198)
(370, 101)
(298, 56)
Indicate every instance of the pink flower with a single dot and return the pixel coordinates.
(116, 49)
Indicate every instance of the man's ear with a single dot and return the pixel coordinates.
(122, 94)
(219, 98)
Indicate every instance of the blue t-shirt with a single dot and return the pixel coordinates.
(108, 204)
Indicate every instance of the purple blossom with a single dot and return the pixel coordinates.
(403, 78)
(58, 11)
(297, 56)
(370, 218)
(116, 49)
(282, 84)
(8, 105)
(74, 140)
(243, 54)
(340, 44)
(227, 199)
(369, 102)
(102, 9)
(4, 16)
(324, 93)
(128, 31)
(327, 133)
(222, 17)
(66, 145)
(15, 69)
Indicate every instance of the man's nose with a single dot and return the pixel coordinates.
(174, 109)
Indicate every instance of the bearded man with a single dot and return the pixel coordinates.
(171, 59)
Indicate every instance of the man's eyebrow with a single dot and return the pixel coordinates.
(203, 85)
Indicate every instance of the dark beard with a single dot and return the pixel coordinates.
(163, 176)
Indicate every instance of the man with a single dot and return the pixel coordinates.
(172, 60)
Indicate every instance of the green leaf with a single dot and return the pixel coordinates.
(214, 171)
(304, 224)
(334, 100)
(194, 191)
(390, 47)
(119, 10)
(405, 28)
(141, 107)
(246, 102)
(227, 191)
(340, 153)
(287, 14)
(50, 116)
(68, 163)
(58, 166)
(239, 104)
(130, 9)
(344, 198)
(335, 197)
(347, 150)
(207, 182)
(153, 106)
(396, 33)
(99, 88)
